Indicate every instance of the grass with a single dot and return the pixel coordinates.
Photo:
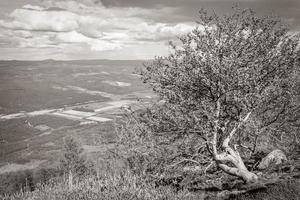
(112, 187)
(110, 184)
(287, 190)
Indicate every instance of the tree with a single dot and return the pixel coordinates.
(74, 161)
(233, 78)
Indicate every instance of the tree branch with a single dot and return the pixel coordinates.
(215, 134)
(227, 140)
(186, 160)
(206, 168)
(224, 157)
(230, 170)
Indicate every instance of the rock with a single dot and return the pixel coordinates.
(274, 158)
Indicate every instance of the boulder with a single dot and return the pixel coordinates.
(274, 158)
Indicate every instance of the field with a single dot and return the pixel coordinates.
(42, 102)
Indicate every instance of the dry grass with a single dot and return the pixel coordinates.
(113, 187)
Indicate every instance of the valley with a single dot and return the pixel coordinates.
(44, 101)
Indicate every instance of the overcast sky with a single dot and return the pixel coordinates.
(110, 29)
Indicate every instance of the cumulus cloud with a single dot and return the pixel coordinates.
(72, 37)
(38, 20)
(31, 7)
(161, 31)
(95, 44)
(100, 45)
(78, 25)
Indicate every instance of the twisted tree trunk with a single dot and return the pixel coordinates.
(230, 155)
(239, 169)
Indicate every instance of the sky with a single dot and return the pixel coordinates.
(111, 29)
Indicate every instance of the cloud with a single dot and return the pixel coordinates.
(73, 27)
(72, 37)
(31, 7)
(35, 40)
(95, 44)
(161, 31)
(38, 20)
(100, 45)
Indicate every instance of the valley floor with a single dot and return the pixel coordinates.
(42, 102)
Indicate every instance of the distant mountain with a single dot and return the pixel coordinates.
(75, 62)
(106, 62)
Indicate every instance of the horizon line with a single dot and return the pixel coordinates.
(65, 60)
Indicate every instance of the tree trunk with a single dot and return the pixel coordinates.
(240, 170)
(248, 177)
(70, 180)
(244, 173)
(230, 155)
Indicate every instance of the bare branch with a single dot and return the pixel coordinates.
(206, 168)
(185, 160)
(216, 127)
(227, 140)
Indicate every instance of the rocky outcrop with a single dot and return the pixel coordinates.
(274, 158)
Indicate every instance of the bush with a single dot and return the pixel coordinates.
(26, 180)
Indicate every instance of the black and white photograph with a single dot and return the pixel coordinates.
(149, 99)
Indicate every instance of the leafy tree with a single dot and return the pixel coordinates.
(74, 161)
(232, 79)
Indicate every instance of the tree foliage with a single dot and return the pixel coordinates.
(74, 160)
(232, 80)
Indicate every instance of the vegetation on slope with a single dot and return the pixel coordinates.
(228, 92)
